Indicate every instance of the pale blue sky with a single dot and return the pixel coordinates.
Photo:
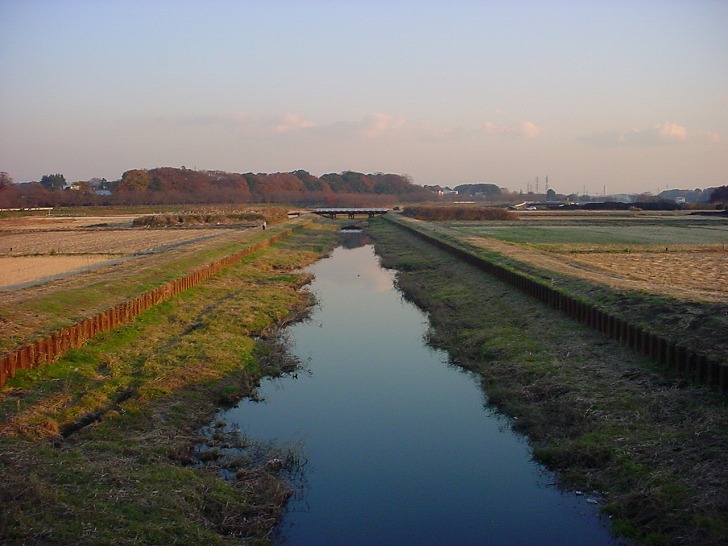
(631, 95)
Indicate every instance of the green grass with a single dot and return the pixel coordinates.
(128, 477)
(605, 418)
(59, 309)
(698, 325)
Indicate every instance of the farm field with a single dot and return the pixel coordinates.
(41, 248)
(684, 257)
(57, 269)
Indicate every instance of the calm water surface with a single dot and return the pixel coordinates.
(400, 447)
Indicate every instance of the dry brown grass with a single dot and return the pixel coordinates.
(693, 272)
(38, 249)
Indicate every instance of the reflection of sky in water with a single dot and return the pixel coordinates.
(362, 271)
(400, 448)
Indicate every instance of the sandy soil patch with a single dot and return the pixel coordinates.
(98, 241)
(30, 223)
(21, 272)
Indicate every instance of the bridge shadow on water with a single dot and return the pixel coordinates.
(353, 237)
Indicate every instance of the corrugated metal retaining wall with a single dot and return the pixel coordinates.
(695, 365)
(50, 348)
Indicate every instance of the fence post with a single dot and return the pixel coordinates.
(39, 353)
(701, 368)
(25, 358)
(682, 359)
(12, 365)
(723, 378)
(4, 367)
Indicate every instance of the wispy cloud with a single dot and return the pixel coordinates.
(291, 122)
(525, 129)
(661, 134)
(377, 124)
(373, 126)
(284, 123)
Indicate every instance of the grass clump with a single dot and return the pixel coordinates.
(212, 217)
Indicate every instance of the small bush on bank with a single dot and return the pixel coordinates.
(270, 215)
(458, 213)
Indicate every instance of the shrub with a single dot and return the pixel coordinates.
(458, 213)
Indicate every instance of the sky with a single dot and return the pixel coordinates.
(600, 96)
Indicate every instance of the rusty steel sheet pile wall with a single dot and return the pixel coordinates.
(697, 366)
(50, 348)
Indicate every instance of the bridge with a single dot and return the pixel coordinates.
(350, 212)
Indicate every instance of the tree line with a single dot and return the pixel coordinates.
(168, 185)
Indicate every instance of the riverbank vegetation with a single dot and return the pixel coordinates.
(103, 446)
(454, 212)
(213, 217)
(650, 446)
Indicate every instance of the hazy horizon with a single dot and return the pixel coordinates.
(622, 97)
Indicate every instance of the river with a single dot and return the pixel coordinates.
(400, 445)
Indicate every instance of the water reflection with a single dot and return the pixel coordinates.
(399, 447)
(353, 237)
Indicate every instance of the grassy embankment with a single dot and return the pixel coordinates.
(667, 256)
(44, 309)
(98, 447)
(652, 447)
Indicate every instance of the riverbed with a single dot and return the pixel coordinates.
(399, 444)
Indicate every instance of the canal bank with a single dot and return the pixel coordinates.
(398, 444)
(126, 471)
(601, 415)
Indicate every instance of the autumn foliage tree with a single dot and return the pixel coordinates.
(172, 185)
(169, 185)
(5, 180)
(719, 195)
(53, 181)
